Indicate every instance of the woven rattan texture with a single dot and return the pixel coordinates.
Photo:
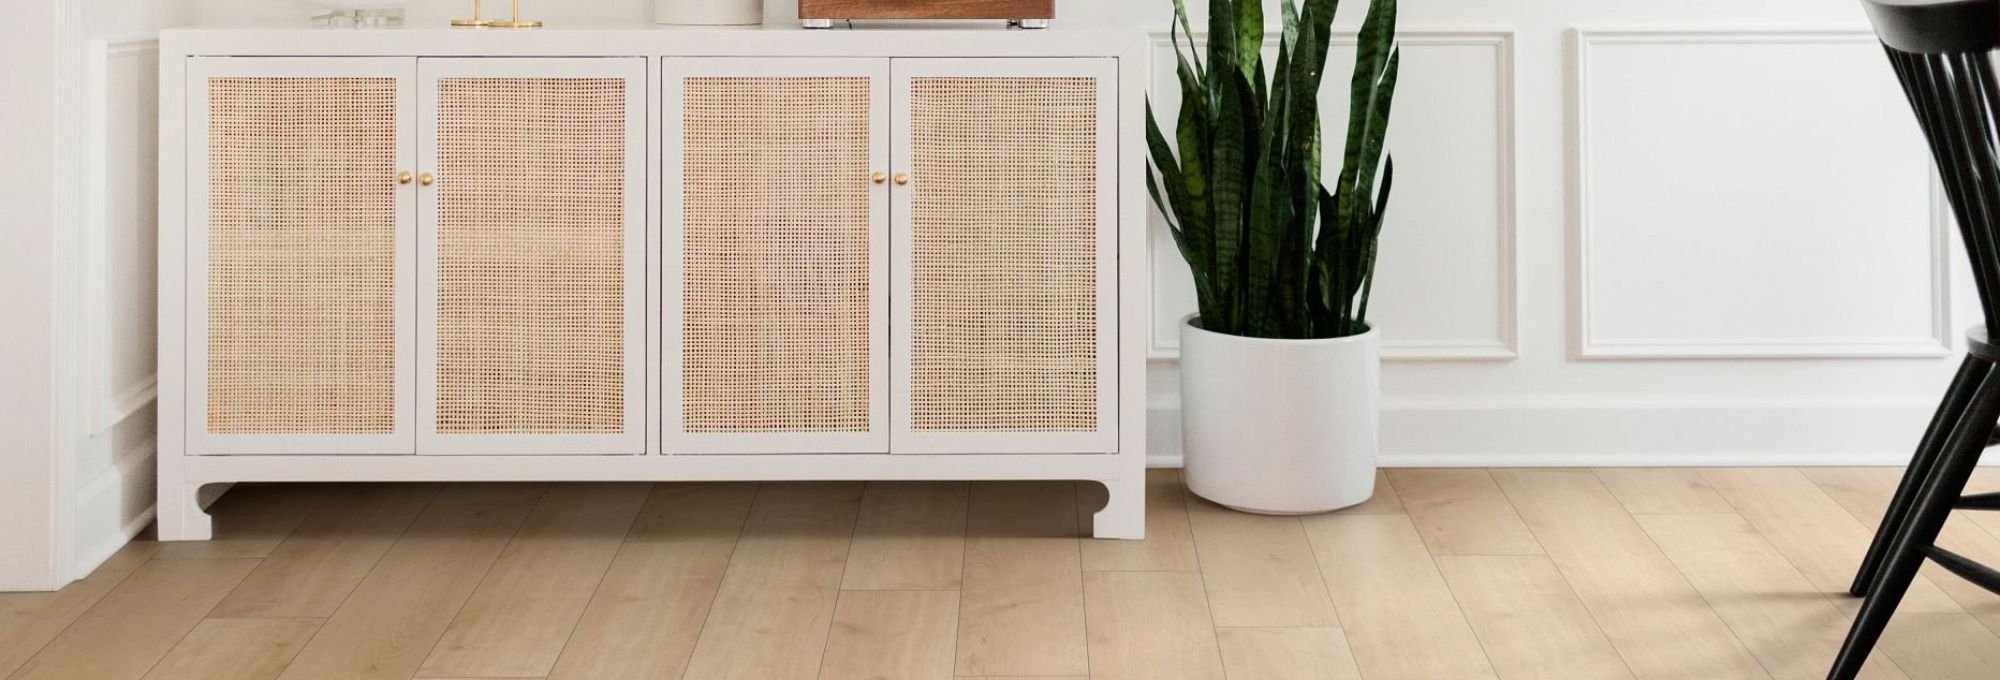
(776, 254)
(530, 255)
(302, 255)
(1003, 233)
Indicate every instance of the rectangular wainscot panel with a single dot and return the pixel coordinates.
(776, 239)
(531, 263)
(1004, 256)
(300, 239)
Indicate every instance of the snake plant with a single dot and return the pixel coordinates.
(1275, 252)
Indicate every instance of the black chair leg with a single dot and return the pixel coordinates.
(1935, 497)
(1948, 412)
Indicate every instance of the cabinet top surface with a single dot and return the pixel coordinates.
(646, 40)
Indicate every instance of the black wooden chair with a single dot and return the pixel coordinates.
(1941, 51)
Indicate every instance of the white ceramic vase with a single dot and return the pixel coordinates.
(709, 12)
(1280, 427)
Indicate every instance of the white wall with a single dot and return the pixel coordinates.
(76, 352)
(1624, 231)
(27, 518)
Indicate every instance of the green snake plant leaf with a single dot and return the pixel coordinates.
(1269, 216)
(1374, 49)
(1374, 244)
(1230, 163)
(1192, 132)
(1181, 22)
(1276, 250)
(1249, 40)
(1221, 41)
(1178, 202)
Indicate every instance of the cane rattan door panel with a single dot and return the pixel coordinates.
(776, 256)
(532, 256)
(1004, 240)
(300, 241)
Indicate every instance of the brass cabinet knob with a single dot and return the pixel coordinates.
(902, 178)
(403, 177)
(880, 177)
(426, 179)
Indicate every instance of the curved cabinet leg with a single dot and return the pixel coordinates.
(1124, 516)
(180, 515)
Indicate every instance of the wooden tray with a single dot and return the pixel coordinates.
(927, 9)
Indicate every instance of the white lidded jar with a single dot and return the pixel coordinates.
(709, 12)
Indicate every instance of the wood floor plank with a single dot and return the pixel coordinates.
(236, 649)
(644, 620)
(772, 612)
(1286, 654)
(1169, 545)
(138, 622)
(1813, 532)
(392, 620)
(892, 635)
(911, 536)
(1656, 491)
(1384, 502)
(517, 621)
(1984, 480)
(1258, 570)
(1948, 646)
(1392, 600)
(1770, 605)
(251, 520)
(1630, 587)
(320, 562)
(1021, 609)
(1462, 512)
(1865, 493)
(1528, 619)
(28, 621)
(1150, 626)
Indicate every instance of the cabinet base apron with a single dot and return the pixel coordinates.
(182, 516)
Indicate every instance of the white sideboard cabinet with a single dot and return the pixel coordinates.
(646, 254)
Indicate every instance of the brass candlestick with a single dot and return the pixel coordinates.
(475, 21)
(517, 21)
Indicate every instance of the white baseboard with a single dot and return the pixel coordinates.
(1623, 433)
(113, 506)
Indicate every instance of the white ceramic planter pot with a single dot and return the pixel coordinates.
(1280, 427)
(709, 12)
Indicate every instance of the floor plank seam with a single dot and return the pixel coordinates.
(860, 506)
(1595, 618)
(623, 540)
(756, 490)
(1201, 575)
(481, 581)
(357, 582)
(29, 660)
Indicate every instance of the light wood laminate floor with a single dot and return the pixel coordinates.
(1714, 574)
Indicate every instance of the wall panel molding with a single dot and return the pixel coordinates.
(1621, 432)
(112, 463)
(1588, 341)
(1502, 344)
